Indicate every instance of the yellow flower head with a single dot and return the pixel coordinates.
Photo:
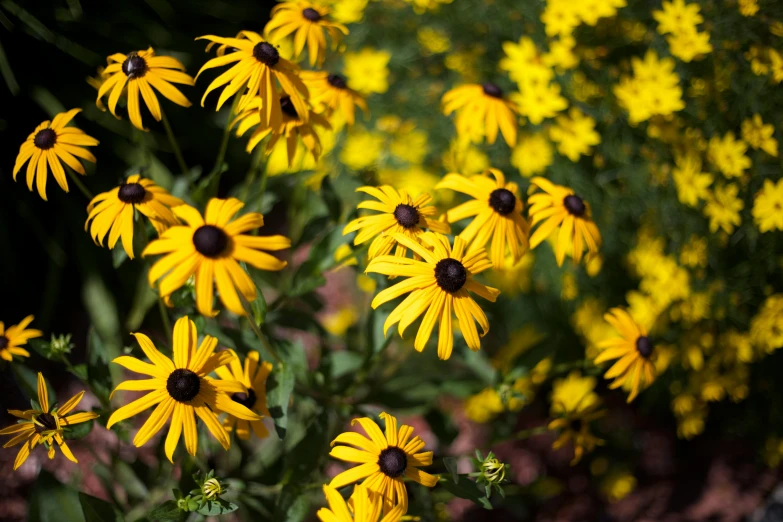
(308, 23)
(768, 206)
(399, 214)
(677, 17)
(367, 70)
(690, 46)
(482, 105)
(366, 506)
(498, 219)
(557, 207)
(532, 155)
(438, 284)
(210, 248)
(573, 418)
(384, 461)
(258, 70)
(12, 338)
(49, 146)
(728, 155)
(181, 388)
(691, 183)
(253, 376)
(573, 394)
(723, 208)
(115, 211)
(760, 135)
(329, 93)
(140, 72)
(45, 426)
(422, 6)
(574, 134)
(539, 101)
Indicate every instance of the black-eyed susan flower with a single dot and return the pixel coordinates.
(482, 110)
(308, 23)
(113, 212)
(49, 146)
(140, 72)
(45, 425)
(634, 368)
(498, 215)
(210, 248)
(258, 65)
(330, 94)
(384, 461)
(366, 506)
(559, 206)
(574, 406)
(253, 375)
(14, 337)
(438, 284)
(181, 388)
(292, 127)
(399, 213)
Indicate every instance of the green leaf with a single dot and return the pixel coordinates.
(98, 373)
(118, 256)
(278, 394)
(80, 371)
(97, 510)
(292, 505)
(307, 278)
(451, 466)
(78, 431)
(258, 306)
(466, 489)
(217, 507)
(166, 512)
(52, 501)
(344, 363)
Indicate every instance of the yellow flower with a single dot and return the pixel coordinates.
(560, 17)
(768, 206)
(210, 248)
(329, 93)
(365, 505)
(760, 135)
(14, 337)
(766, 327)
(634, 368)
(181, 388)
(654, 89)
(532, 155)
(464, 157)
(558, 207)
(575, 405)
(694, 253)
(728, 155)
(539, 101)
(410, 144)
(498, 215)
(524, 63)
(362, 149)
(484, 406)
(574, 134)
(574, 394)
(690, 46)
(678, 17)
(480, 106)
(399, 214)
(422, 6)
(367, 70)
(691, 183)
(438, 284)
(338, 322)
(617, 486)
(347, 11)
(748, 7)
(140, 71)
(561, 53)
(515, 278)
(258, 65)
(49, 146)
(43, 425)
(723, 208)
(253, 376)
(433, 40)
(115, 211)
(308, 23)
(383, 460)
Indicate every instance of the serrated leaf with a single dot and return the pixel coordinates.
(278, 393)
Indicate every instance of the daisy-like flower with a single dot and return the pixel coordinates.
(292, 127)
(439, 285)
(52, 144)
(482, 105)
(498, 215)
(366, 507)
(383, 460)
(258, 66)
(558, 206)
(180, 389)
(634, 368)
(115, 211)
(211, 247)
(400, 213)
(329, 93)
(45, 425)
(575, 405)
(309, 23)
(253, 377)
(14, 337)
(768, 206)
(141, 71)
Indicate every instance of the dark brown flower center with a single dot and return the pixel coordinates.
(183, 385)
(337, 81)
(450, 274)
(288, 106)
(575, 205)
(45, 139)
(210, 241)
(311, 14)
(490, 89)
(3, 342)
(131, 193)
(406, 215)
(266, 54)
(134, 66)
(502, 201)
(644, 346)
(575, 425)
(248, 400)
(46, 422)
(392, 462)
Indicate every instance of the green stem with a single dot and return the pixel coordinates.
(164, 317)
(174, 145)
(82, 188)
(530, 432)
(253, 326)
(250, 177)
(216, 170)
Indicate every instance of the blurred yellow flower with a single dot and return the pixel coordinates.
(463, 157)
(539, 101)
(532, 155)
(338, 322)
(574, 394)
(723, 208)
(727, 154)
(617, 486)
(362, 149)
(433, 40)
(760, 135)
(484, 103)
(367, 70)
(748, 7)
(766, 327)
(690, 46)
(768, 206)
(574, 134)
(694, 253)
(653, 89)
(691, 183)
(422, 6)
(678, 17)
